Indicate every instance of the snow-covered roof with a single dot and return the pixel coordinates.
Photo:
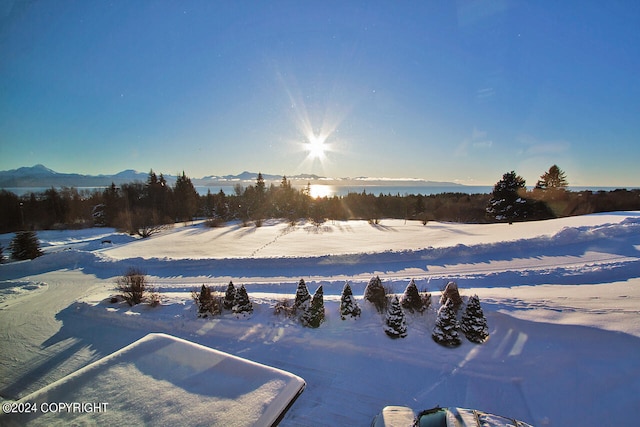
(164, 380)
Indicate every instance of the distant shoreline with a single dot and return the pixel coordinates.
(331, 190)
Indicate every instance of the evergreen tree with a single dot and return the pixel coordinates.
(229, 297)
(285, 200)
(348, 304)
(551, 188)
(445, 331)
(242, 305)
(508, 202)
(56, 207)
(411, 299)
(554, 179)
(221, 205)
(473, 323)
(256, 196)
(451, 293)
(205, 302)
(12, 212)
(314, 315)
(157, 194)
(395, 321)
(285, 184)
(25, 245)
(302, 296)
(376, 294)
(260, 185)
(113, 204)
(186, 198)
(419, 205)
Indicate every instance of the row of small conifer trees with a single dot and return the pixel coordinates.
(210, 303)
(309, 310)
(473, 323)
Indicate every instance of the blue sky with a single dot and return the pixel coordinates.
(441, 90)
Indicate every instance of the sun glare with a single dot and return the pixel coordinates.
(316, 147)
(316, 138)
(319, 190)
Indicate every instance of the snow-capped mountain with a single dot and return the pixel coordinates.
(41, 176)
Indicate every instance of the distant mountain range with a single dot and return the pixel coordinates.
(41, 176)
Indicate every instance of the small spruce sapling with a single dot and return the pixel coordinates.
(229, 297)
(411, 299)
(203, 301)
(25, 245)
(445, 331)
(314, 316)
(348, 304)
(242, 305)
(208, 302)
(395, 321)
(302, 296)
(452, 294)
(473, 323)
(376, 294)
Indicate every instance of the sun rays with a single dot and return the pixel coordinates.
(321, 142)
(316, 147)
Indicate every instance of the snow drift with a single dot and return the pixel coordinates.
(163, 380)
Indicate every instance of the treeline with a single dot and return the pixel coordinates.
(146, 207)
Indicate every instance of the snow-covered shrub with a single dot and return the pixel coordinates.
(133, 286)
(411, 299)
(348, 305)
(208, 302)
(284, 306)
(302, 296)
(242, 305)
(376, 294)
(445, 331)
(25, 245)
(154, 299)
(425, 296)
(395, 321)
(452, 294)
(214, 222)
(314, 315)
(229, 297)
(473, 323)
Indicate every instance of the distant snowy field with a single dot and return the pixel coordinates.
(560, 296)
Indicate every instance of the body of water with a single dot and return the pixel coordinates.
(321, 190)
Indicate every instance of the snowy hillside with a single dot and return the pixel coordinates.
(560, 297)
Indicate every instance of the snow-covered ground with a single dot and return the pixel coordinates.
(560, 297)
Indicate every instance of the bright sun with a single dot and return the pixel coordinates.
(316, 147)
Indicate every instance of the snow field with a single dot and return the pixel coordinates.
(560, 299)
